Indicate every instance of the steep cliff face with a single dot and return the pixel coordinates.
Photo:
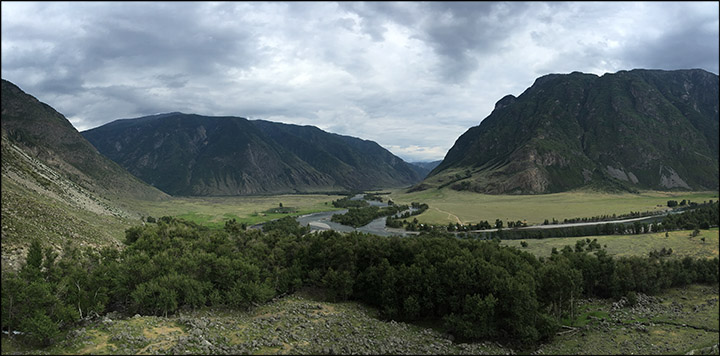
(640, 129)
(186, 154)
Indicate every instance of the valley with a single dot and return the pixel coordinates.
(309, 321)
(177, 233)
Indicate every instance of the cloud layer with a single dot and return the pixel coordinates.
(410, 76)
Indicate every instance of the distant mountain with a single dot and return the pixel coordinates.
(639, 129)
(186, 154)
(352, 163)
(424, 168)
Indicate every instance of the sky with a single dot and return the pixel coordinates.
(411, 76)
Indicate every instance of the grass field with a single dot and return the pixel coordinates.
(633, 245)
(214, 211)
(447, 205)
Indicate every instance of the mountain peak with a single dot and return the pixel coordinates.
(505, 101)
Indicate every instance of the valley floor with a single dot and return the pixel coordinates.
(681, 242)
(678, 321)
(450, 206)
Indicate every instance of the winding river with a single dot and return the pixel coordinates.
(321, 221)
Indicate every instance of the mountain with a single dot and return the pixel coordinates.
(187, 154)
(45, 135)
(55, 185)
(424, 168)
(352, 163)
(639, 129)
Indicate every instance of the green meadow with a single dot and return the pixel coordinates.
(214, 211)
(447, 205)
(681, 242)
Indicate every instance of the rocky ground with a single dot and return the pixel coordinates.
(290, 325)
(681, 321)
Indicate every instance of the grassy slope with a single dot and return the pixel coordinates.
(27, 215)
(447, 205)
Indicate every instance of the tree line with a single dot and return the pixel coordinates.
(400, 220)
(357, 217)
(477, 289)
(347, 202)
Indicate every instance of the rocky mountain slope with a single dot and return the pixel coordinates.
(47, 136)
(639, 129)
(55, 185)
(186, 154)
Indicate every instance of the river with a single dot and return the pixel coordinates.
(321, 221)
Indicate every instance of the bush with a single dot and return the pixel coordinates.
(631, 298)
(479, 289)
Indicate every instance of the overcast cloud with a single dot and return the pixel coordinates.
(411, 76)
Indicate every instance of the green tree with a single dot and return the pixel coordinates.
(560, 286)
(631, 298)
(339, 284)
(13, 300)
(40, 328)
(477, 319)
(34, 257)
(498, 224)
(155, 297)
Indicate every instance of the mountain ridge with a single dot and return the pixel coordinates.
(47, 135)
(610, 132)
(190, 154)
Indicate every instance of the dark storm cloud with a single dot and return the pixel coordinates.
(138, 36)
(412, 76)
(464, 32)
(458, 32)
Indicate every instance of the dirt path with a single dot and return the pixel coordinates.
(449, 215)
